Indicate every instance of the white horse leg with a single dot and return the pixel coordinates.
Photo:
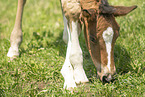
(67, 69)
(65, 34)
(76, 57)
(16, 35)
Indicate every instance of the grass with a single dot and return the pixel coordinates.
(37, 71)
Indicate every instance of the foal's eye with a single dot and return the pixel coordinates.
(93, 39)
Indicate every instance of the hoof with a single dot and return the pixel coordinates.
(12, 53)
(12, 58)
(69, 86)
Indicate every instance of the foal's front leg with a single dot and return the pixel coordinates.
(67, 69)
(76, 57)
(72, 69)
(16, 35)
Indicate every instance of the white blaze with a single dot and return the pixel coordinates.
(108, 36)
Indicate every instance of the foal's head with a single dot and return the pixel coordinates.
(101, 31)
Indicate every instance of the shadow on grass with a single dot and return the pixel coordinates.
(122, 60)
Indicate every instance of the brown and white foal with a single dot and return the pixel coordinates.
(101, 31)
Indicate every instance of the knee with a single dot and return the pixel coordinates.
(76, 58)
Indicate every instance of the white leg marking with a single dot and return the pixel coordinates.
(67, 69)
(13, 51)
(76, 57)
(65, 34)
(108, 36)
(72, 69)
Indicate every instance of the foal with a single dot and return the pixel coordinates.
(101, 31)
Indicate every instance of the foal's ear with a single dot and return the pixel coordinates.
(122, 10)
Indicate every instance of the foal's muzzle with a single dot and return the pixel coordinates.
(107, 78)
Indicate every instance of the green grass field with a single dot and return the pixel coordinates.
(37, 71)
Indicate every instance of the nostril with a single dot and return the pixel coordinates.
(104, 79)
(107, 79)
